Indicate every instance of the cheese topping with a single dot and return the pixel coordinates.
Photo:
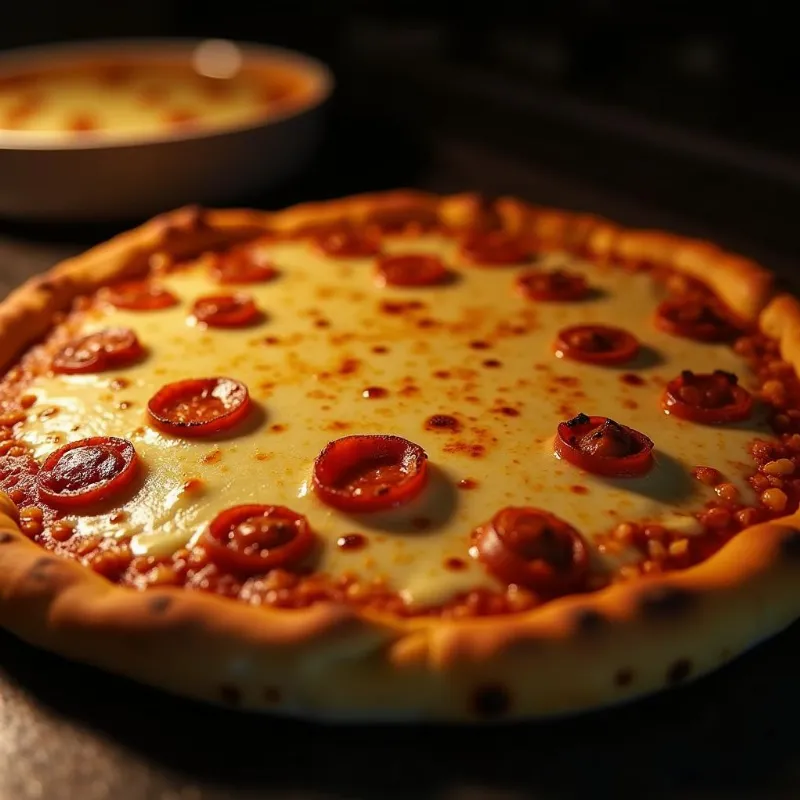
(474, 349)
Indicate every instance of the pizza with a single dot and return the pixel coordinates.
(400, 457)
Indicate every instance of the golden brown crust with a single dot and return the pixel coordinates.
(338, 663)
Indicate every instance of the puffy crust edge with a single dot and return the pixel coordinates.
(336, 663)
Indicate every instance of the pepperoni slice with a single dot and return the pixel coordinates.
(242, 265)
(225, 311)
(416, 269)
(712, 399)
(558, 285)
(18, 478)
(596, 344)
(696, 318)
(199, 406)
(348, 243)
(535, 549)
(494, 248)
(106, 349)
(255, 538)
(604, 447)
(140, 296)
(87, 471)
(369, 473)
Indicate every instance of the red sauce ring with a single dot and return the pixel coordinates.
(694, 318)
(533, 548)
(18, 473)
(633, 464)
(494, 248)
(412, 269)
(102, 350)
(555, 286)
(242, 265)
(139, 296)
(225, 311)
(235, 541)
(596, 344)
(198, 406)
(348, 243)
(708, 398)
(87, 471)
(369, 472)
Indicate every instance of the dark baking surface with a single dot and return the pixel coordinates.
(67, 731)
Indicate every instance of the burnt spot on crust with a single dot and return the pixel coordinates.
(679, 672)
(272, 695)
(6, 537)
(623, 677)
(46, 285)
(790, 545)
(491, 701)
(587, 620)
(42, 569)
(665, 601)
(160, 603)
(230, 695)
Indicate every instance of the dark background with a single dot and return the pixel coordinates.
(679, 115)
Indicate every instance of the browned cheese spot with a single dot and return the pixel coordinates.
(679, 671)
(492, 363)
(159, 604)
(455, 564)
(230, 695)
(214, 457)
(665, 601)
(6, 537)
(491, 701)
(623, 677)
(442, 422)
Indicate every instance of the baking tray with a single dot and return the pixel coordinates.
(67, 731)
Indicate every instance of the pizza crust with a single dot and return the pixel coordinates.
(337, 663)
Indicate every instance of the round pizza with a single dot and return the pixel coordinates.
(400, 457)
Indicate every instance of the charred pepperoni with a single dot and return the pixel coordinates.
(106, 349)
(558, 285)
(596, 344)
(225, 311)
(199, 406)
(18, 478)
(252, 539)
(417, 269)
(701, 319)
(242, 265)
(604, 447)
(348, 243)
(369, 473)
(87, 472)
(533, 548)
(494, 248)
(714, 398)
(139, 296)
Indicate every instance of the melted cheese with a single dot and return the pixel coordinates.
(135, 98)
(474, 349)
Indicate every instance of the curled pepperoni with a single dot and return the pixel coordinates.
(698, 318)
(596, 344)
(253, 539)
(348, 243)
(604, 447)
(86, 472)
(198, 406)
(494, 248)
(242, 265)
(18, 478)
(533, 548)
(106, 349)
(369, 473)
(558, 285)
(139, 296)
(225, 311)
(416, 269)
(711, 399)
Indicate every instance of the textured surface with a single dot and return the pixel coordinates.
(69, 732)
